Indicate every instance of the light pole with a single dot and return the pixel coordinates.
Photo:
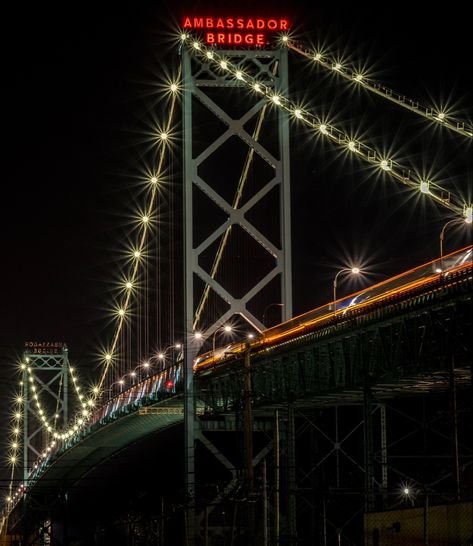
(351, 271)
(226, 328)
(161, 355)
(109, 389)
(408, 494)
(269, 307)
(442, 234)
(146, 365)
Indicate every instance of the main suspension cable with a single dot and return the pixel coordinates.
(358, 78)
(369, 155)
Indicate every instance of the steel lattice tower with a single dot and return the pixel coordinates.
(270, 66)
(201, 81)
(45, 378)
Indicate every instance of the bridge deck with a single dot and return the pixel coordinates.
(403, 344)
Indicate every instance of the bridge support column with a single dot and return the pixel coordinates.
(288, 532)
(189, 447)
(210, 297)
(291, 477)
(277, 480)
(384, 455)
(368, 446)
(190, 424)
(248, 443)
(454, 422)
(189, 342)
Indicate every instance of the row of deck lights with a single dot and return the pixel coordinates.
(326, 129)
(160, 356)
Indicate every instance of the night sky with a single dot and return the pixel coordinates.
(79, 86)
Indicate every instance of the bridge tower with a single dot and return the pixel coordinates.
(45, 386)
(236, 165)
(256, 177)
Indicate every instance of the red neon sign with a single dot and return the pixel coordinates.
(245, 31)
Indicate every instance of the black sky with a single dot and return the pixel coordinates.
(76, 82)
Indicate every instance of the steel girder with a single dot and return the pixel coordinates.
(404, 347)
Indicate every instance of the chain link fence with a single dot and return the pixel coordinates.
(445, 525)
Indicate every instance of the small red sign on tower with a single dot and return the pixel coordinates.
(44, 347)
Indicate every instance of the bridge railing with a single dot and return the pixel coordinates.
(405, 281)
(165, 382)
(413, 279)
(161, 385)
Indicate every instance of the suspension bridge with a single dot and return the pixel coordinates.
(341, 366)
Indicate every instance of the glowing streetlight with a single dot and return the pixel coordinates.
(347, 270)
(225, 328)
(408, 493)
(161, 355)
(442, 236)
(136, 375)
